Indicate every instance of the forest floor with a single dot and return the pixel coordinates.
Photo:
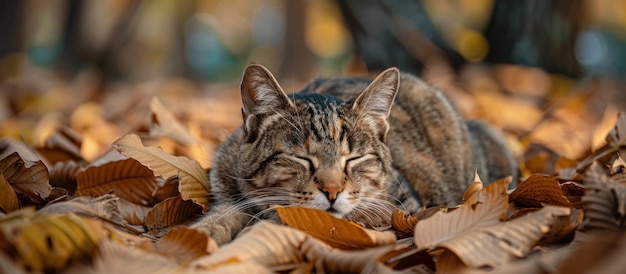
(98, 178)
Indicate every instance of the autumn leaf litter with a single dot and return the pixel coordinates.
(106, 192)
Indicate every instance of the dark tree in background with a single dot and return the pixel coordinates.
(399, 33)
(395, 33)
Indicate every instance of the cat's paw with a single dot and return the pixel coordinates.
(218, 232)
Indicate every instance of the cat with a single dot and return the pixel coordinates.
(342, 145)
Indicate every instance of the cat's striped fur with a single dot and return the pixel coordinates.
(343, 145)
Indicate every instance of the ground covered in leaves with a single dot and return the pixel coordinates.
(103, 178)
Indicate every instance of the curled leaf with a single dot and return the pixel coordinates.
(50, 242)
(496, 244)
(537, 190)
(27, 178)
(332, 230)
(185, 245)
(484, 208)
(403, 222)
(474, 187)
(193, 181)
(127, 178)
(8, 198)
(169, 212)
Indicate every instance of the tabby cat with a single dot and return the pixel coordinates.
(342, 145)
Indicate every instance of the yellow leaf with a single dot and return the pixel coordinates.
(193, 180)
(8, 198)
(50, 242)
(333, 231)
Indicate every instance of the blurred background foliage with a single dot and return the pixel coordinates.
(550, 74)
(212, 40)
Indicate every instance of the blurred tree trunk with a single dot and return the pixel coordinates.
(11, 13)
(535, 33)
(298, 61)
(396, 33)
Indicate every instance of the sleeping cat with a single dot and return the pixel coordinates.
(342, 145)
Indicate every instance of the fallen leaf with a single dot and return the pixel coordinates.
(185, 245)
(133, 213)
(127, 178)
(193, 180)
(169, 212)
(403, 222)
(537, 190)
(63, 174)
(8, 198)
(484, 208)
(164, 124)
(62, 145)
(605, 201)
(498, 243)
(103, 207)
(272, 245)
(336, 232)
(113, 257)
(26, 177)
(474, 187)
(49, 242)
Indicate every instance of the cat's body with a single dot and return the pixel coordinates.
(343, 145)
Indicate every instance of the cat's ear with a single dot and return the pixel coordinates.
(260, 96)
(373, 105)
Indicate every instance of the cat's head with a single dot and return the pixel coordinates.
(316, 150)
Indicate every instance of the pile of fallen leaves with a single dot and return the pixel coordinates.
(112, 188)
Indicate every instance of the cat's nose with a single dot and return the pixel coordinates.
(331, 192)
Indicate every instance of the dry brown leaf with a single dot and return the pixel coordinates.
(404, 258)
(133, 213)
(274, 245)
(448, 262)
(50, 242)
(8, 198)
(601, 253)
(113, 257)
(474, 187)
(618, 171)
(104, 207)
(164, 124)
(57, 195)
(127, 178)
(496, 244)
(184, 245)
(605, 201)
(537, 190)
(193, 180)
(27, 178)
(403, 222)
(62, 145)
(574, 193)
(484, 208)
(63, 174)
(336, 232)
(617, 136)
(166, 188)
(169, 212)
